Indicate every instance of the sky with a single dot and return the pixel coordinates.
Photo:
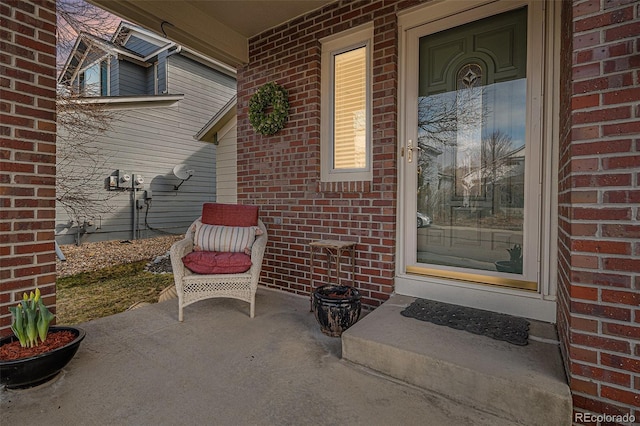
(75, 16)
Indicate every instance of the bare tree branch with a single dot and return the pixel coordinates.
(77, 16)
(81, 165)
(80, 161)
(442, 115)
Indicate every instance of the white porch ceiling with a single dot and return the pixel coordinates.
(216, 28)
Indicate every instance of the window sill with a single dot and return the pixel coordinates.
(347, 186)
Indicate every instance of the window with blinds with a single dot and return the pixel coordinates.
(345, 131)
(349, 109)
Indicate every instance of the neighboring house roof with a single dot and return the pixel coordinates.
(85, 42)
(209, 132)
(126, 29)
(116, 46)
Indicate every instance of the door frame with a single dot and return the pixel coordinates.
(539, 305)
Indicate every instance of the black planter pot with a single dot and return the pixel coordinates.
(336, 308)
(28, 372)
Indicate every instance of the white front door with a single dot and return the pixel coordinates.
(471, 193)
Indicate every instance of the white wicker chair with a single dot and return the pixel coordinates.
(193, 287)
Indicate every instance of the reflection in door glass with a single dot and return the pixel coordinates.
(471, 174)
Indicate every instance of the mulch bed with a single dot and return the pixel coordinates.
(57, 339)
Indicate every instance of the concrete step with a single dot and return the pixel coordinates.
(521, 384)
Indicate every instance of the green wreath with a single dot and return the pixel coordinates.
(270, 97)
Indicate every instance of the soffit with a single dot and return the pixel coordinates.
(217, 28)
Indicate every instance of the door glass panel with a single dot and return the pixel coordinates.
(471, 135)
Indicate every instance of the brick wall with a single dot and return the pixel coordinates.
(281, 173)
(599, 228)
(564, 186)
(27, 152)
(599, 248)
(599, 176)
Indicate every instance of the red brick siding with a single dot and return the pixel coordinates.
(598, 314)
(281, 173)
(599, 217)
(598, 180)
(27, 152)
(565, 228)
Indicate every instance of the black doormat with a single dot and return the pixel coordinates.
(477, 321)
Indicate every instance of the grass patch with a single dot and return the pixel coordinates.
(90, 295)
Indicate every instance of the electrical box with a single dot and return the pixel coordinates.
(138, 181)
(124, 179)
(113, 182)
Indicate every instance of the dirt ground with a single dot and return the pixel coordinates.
(94, 256)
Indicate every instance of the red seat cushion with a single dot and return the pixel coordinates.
(213, 262)
(229, 214)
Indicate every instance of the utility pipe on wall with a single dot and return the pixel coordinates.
(134, 209)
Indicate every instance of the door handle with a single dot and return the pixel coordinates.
(410, 149)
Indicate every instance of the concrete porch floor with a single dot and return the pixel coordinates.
(219, 367)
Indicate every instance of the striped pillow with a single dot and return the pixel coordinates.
(234, 239)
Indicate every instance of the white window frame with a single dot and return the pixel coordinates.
(155, 78)
(361, 36)
(107, 83)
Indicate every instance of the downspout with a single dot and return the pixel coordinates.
(134, 211)
(59, 251)
(175, 51)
